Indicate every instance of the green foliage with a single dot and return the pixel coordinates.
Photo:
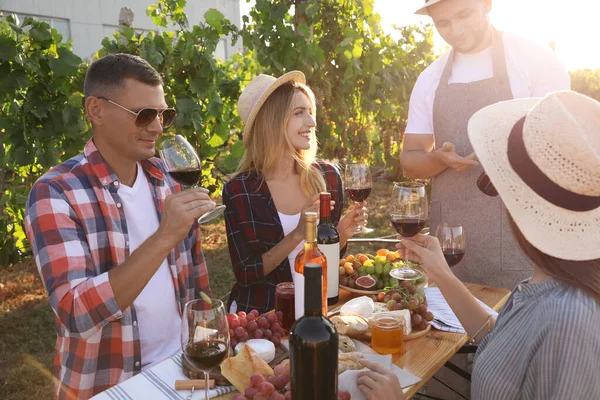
(362, 77)
(203, 89)
(41, 118)
(586, 81)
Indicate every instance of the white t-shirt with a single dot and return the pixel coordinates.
(158, 318)
(533, 71)
(289, 223)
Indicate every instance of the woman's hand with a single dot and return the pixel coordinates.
(355, 217)
(378, 383)
(298, 232)
(426, 250)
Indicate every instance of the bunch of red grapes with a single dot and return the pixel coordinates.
(408, 297)
(275, 387)
(243, 327)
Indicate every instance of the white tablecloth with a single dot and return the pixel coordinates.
(158, 382)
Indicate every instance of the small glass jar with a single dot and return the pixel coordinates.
(285, 302)
(387, 333)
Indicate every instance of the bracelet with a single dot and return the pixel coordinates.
(486, 323)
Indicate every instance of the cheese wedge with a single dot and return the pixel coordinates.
(240, 368)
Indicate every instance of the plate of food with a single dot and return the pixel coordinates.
(368, 274)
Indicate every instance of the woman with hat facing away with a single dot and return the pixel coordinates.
(278, 179)
(543, 158)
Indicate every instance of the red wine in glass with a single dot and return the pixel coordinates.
(453, 256)
(206, 354)
(184, 166)
(186, 176)
(358, 182)
(204, 336)
(452, 240)
(408, 227)
(359, 194)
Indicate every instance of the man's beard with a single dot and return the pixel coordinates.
(480, 36)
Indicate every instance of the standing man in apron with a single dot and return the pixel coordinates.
(484, 66)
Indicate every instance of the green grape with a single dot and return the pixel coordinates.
(387, 268)
(371, 269)
(379, 269)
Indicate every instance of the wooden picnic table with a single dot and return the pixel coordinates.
(424, 356)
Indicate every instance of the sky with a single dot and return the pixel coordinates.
(573, 25)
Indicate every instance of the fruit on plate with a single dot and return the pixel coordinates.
(407, 296)
(366, 282)
(355, 266)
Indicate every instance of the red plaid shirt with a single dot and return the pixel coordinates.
(253, 227)
(77, 229)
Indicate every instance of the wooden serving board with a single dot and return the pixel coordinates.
(281, 353)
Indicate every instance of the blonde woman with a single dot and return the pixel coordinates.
(278, 178)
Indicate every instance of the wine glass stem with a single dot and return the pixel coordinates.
(206, 388)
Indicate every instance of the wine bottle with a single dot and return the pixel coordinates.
(313, 345)
(309, 254)
(328, 240)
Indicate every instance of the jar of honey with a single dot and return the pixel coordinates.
(387, 333)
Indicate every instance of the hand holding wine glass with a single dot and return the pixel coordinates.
(358, 184)
(426, 250)
(408, 214)
(452, 241)
(204, 336)
(184, 166)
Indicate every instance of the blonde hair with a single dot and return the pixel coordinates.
(268, 137)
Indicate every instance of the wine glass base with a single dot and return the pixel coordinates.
(405, 274)
(212, 214)
(364, 229)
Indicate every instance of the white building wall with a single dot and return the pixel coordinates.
(89, 21)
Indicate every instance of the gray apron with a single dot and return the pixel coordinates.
(492, 256)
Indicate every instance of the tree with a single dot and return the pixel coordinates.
(361, 76)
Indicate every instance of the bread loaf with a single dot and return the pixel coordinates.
(240, 368)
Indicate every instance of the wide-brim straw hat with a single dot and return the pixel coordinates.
(543, 158)
(257, 92)
(423, 9)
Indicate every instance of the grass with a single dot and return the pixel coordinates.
(27, 330)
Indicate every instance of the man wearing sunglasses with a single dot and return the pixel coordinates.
(484, 66)
(114, 237)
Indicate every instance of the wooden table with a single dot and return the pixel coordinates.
(424, 356)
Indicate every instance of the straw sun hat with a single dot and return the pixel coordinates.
(257, 92)
(543, 158)
(423, 9)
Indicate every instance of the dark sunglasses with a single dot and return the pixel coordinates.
(146, 116)
(485, 185)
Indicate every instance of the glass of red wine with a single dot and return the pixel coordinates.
(452, 241)
(408, 215)
(184, 166)
(358, 184)
(204, 336)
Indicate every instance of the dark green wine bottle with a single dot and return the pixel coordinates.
(313, 345)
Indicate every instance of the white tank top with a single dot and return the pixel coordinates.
(289, 223)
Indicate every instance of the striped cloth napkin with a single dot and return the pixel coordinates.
(444, 318)
(158, 382)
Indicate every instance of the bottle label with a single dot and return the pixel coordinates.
(332, 255)
(298, 295)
